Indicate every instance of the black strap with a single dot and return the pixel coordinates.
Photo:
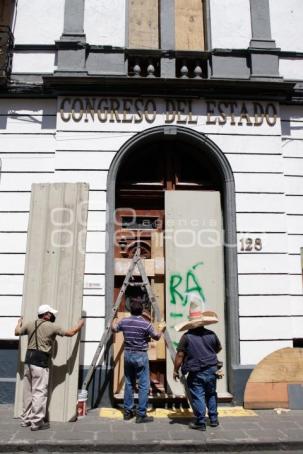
(35, 333)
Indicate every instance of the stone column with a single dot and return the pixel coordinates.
(264, 64)
(167, 34)
(72, 44)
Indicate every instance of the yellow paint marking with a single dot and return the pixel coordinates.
(114, 413)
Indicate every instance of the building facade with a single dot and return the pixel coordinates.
(184, 117)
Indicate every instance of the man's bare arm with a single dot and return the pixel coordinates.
(177, 364)
(72, 331)
(18, 327)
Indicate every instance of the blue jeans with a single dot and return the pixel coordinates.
(136, 368)
(202, 387)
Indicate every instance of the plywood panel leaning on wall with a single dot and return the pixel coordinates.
(269, 382)
(189, 27)
(54, 275)
(143, 24)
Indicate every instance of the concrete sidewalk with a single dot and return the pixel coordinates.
(260, 431)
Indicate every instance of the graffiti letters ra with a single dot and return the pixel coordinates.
(181, 286)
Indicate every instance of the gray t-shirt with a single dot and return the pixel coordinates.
(45, 334)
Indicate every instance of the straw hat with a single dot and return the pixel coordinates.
(197, 318)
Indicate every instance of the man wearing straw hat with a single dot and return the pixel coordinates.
(197, 357)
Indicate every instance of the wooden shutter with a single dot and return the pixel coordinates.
(143, 24)
(189, 25)
(7, 12)
(54, 275)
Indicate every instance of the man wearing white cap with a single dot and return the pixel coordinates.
(41, 337)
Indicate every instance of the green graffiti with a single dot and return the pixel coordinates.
(175, 281)
(191, 285)
(196, 265)
(175, 315)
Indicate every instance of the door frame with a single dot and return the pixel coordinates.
(236, 374)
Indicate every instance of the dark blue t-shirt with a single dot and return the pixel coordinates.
(200, 346)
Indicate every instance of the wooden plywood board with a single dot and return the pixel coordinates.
(119, 358)
(189, 25)
(284, 365)
(194, 264)
(157, 252)
(54, 275)
(122, 267)
(266, 395)
(143, 26)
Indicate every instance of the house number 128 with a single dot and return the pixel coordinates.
(251, 244)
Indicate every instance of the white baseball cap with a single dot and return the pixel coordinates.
(46, 308)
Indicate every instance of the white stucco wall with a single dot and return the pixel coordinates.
(104, 22)
(39, 21)
(230, 24)
(286, 24)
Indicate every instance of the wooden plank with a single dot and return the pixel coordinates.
(7, 12)
(118, 383)
(281, 366)
(189, 29)
(56, 209)
(266, 395)
(143, 26)
(192, 268)
(157, 252)
(122, 266)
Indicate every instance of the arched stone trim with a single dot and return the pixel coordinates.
(214, 153)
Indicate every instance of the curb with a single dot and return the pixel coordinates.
(152, 447)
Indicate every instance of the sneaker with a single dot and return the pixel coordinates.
(25, 424)
(128, 415)
(142, 419)
(214, 423)
(196, 426)
(43, 426)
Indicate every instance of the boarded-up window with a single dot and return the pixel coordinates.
(189, 30)
(143, 24)
(7, 12)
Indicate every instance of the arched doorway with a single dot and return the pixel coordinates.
(153, 175)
